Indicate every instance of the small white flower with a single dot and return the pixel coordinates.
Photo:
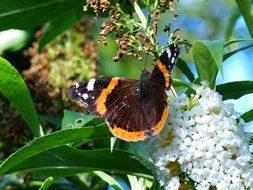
(204, 185)
(207, 142)
(173, 184)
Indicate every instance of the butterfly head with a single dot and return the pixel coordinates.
(77, 92)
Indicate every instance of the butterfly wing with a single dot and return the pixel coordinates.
(87, 92)
(120, 102)
(132, 109)
(164, 65)
(132, 118)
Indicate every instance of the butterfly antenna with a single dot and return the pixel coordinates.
(145, 63)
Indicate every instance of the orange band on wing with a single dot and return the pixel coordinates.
(127, 135)
(139, 135)
(165, 72)
(100, 102)
(159, 126)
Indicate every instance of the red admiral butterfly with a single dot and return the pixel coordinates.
(133, 110)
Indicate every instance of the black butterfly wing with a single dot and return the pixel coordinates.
(87, 92)
(120, 102)
(132, 118)
(164, 65)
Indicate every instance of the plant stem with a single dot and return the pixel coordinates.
(140, 15)
(145, 26)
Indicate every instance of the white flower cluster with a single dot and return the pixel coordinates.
(206, 142)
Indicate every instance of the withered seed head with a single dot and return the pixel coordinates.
(99, 6)
(132, 37)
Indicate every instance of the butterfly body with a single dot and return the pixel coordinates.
(133, 109)
(145, 84)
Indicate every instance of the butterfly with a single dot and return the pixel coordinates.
(133, 109)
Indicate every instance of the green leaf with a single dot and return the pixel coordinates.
(234, 90)
(237, 41)
(208, 57)
(245, 8)
(181, 83)
(59, 25)
(229, 54)
(13, 87)
(247, 116)
(65, 161)
(108, 179)
(48, 182)
(53, 140)
(75, 120)
(33, 13)
(183, 67)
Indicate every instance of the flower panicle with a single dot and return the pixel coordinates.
(209, 145)
(133, 36)
(99, 6)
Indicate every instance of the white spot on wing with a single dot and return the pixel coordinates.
(172, 59)
(90, 85)
(168, 52)
(77, 85)
(85, 96)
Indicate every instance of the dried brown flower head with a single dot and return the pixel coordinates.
(135, 32)
(99, 6)
(167, 5)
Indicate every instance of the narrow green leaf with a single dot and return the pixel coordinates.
(60, 24)
(247, 116)
(237, 41)
(208, 57)
(13, 87)
(108, 179)
(234, 90)
(245, 8)
(229, 54)
(33, 13)
(181, 83)
(47, 183)
(75, 120)
(65, 161)
(183, 67)
(53, 140)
